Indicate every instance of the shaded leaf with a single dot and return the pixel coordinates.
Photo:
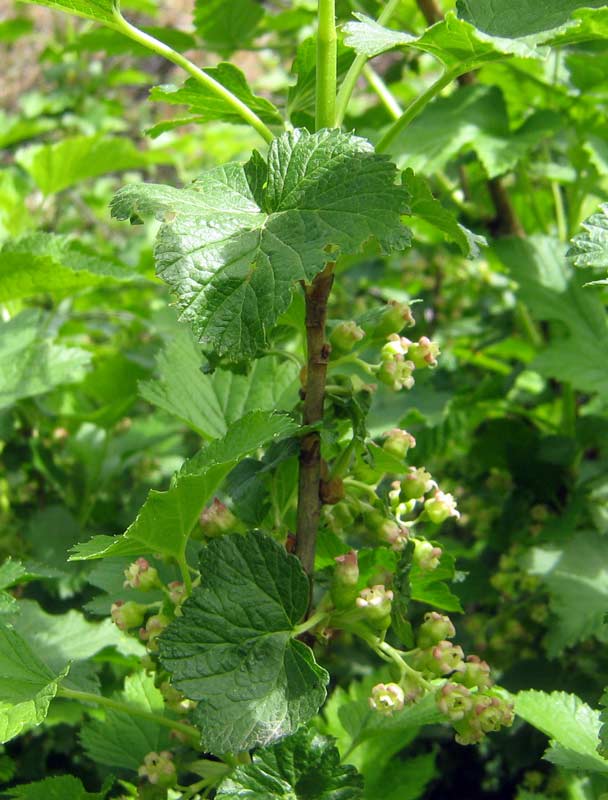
(520, 17)
(121, 739)
(166, 519)
(64, 787)
(225, 27)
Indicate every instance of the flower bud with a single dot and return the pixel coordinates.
(476, 673)
(435, 628)
(127, 615)
(155, 625)
(426, 556)
(440, 507)
(175, 700)
(398, 442)
(376, 603)
(159, 769)
(492, 713)
(394, 316)
(177, 592)
(344, 580)
(394, 533)
(416, 483)
(387, 698)
(455, 701)
(424, 352)
(445, 658)
(395, 371)
(216, 519)
(140, 575)
(345, 336)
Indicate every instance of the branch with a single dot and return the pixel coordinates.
(309, 500)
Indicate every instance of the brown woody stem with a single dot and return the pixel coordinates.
(506, 221)
(309, 500)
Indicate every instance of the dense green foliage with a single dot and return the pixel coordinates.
(242, 514)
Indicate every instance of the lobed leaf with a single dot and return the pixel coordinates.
(234, 650)
(63, 787)
(236, 240)
(572, 725)
(590, 247)
(98, 10)
(27, 685)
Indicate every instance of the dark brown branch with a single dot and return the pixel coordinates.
(506, 222)
(309, 500)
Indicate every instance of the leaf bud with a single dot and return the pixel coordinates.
(140, 575)
(127, 615)
(387, 698)
(331, 491)
(435, 628)
(397, 442)
(455, 701)
(159, 769)
(345, 336)
(426, 555)
(440, 507)
(424, 353)
(216, 519)
(416, 483)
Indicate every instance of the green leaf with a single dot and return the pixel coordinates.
(368, 739)
(305, 765)
(55, 167)
(424, 206)
(122, 740)
(402, 780)
(471, 118)
(44, 263)
(572, 726)
(431, 587)
(590, 248)
(233, 649)
(236, 240)
(27, 685)
(210, 404)
(98, 10)
(207, 105)
(30, 363)
(64, 787)
(454, 42)
(552, 291)
(166, 519)
(225, 27)
(60, 639)
(577, 579)
(520, 17)
(603, 734)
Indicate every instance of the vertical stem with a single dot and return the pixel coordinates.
(309, 500)
(327, 53)
(350, 80)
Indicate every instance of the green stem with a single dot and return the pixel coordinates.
(362, 486)
(415, 108)
(133, 711)
(311, 622)
(351, 77)
(327, 54)
(384, 94)
(405, 668)
(161, 49)
(560, 212)
(185, 570)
